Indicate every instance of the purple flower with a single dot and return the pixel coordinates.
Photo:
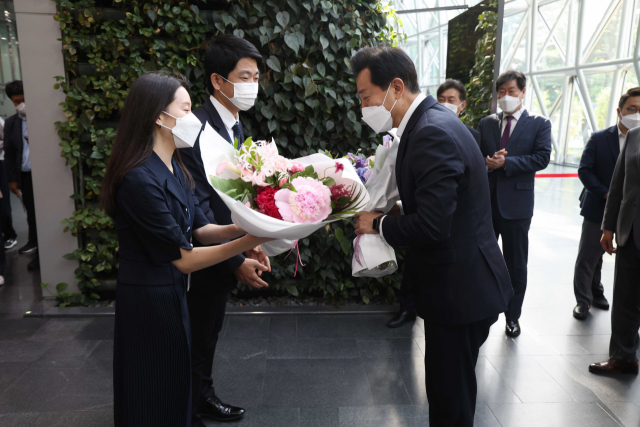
(361, 172)
(386, 141)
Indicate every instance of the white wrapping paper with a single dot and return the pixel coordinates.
(372, 256)
(215, 149)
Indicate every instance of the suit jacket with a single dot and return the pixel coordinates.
(212, 205)
(155, 216)
(622, 211)
(453, 260)
(529, 150)
(13, 148)
(475, 134)
(596, 170)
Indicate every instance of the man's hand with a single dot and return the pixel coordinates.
(364, 222)
(607, 242)
(258, 254)
(497, 161)
(248, 275)
(13, 186)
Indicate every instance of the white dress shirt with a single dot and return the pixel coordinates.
(514, 121)
(621, 137)
(226, 116)
(403, 124)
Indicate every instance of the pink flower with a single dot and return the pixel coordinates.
(339, 167)
(282, 182)
(311, 202)
(280, 164)
(226, 165)
(296, 167)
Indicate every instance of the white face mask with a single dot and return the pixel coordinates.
(244, 95)
(378, 118)
(630, 121)
(186, 130)
(509, 104)
(452, 107)
(22, 109)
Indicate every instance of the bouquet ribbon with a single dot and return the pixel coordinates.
(298, 258)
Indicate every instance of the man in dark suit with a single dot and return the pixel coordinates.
(18, 162)
(622, 218)
(459, 278)
(453, 95)
(516, 145)
(596, 170)
(231, 68)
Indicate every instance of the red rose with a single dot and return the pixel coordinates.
(266, 202)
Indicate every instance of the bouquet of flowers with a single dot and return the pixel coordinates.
(272, 196)
(372, 256)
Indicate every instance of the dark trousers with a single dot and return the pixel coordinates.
(26, 187)
(625, 312)
(206, 311)
(515, 249)
(451, 354)
(587, 274)
(6, 220)
(405, 297)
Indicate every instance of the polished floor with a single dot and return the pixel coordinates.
(344, 371)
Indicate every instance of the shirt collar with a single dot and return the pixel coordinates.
(226, 115)
(515, 115)
(405, 120)
(620, 134)
(22, 117)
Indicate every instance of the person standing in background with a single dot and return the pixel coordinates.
(516, 145)
(6, 221)
(18, 158)
(453, 95)
(231, 72)
(596, 170)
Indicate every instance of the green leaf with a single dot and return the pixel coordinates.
(292, 41)
(310, 89)
(351, 116)
(274, 63)
(321, 69)
(329, 125)
(267, 111)
(339, 234)
(283, 19)
(61, 287)
(152, 15)
(324, 42)
(346, 246)
(293, 290)
(231, 187)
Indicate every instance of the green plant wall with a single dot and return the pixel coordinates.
(307, 104)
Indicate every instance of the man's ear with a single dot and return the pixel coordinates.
(398, 85)
(216, 81)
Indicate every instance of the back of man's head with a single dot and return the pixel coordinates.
(224, 53)
(386, 64)
(14, 88)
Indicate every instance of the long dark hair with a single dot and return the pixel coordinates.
(148, 97)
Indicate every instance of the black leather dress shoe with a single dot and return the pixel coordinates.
(612, 366)
(214, 408)
(581, 311)
(513, 328)
(600, 302)
(401, 318)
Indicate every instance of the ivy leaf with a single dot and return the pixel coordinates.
(292, 41)
(152, 15)
(310, 89)
(293, 290)
(267, 112)
(324, 42)
(339, 233)
(61, 287)
(282, 18)
(274, 63)
(329, 125)
(321, 69)
(332, 29)
(351, 116)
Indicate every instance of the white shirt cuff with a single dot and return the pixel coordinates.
(380, 228)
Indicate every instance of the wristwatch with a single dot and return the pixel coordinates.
(376, 223)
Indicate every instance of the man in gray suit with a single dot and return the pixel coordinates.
(622, 216)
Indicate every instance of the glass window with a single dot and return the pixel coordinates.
(606, 42)
(579, 131)
(599, 86)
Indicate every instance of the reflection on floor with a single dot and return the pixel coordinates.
(345, 371)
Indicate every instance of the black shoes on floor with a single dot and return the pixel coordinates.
(581, 310)
(512, 328)
(214, 408)
(29, 248)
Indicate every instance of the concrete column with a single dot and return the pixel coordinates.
(41, 61)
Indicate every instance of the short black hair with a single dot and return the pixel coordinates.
(223, 54)
(453, 84)
(386, 63)
(634, 91)
(14, 88)
(507, 76)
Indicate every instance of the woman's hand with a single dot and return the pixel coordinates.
(607, 242)
(258, 254)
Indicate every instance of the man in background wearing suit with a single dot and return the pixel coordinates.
(596, 170)
(516, 145)
(231, 69)
(622, 217)
(453, 95)
(459, 279)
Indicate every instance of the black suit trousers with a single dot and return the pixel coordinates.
(451, 354)
(26, 188)
(515, 249)
(625, 311)
(206, 312)
(6, 220)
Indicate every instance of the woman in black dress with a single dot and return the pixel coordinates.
(148, 192)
